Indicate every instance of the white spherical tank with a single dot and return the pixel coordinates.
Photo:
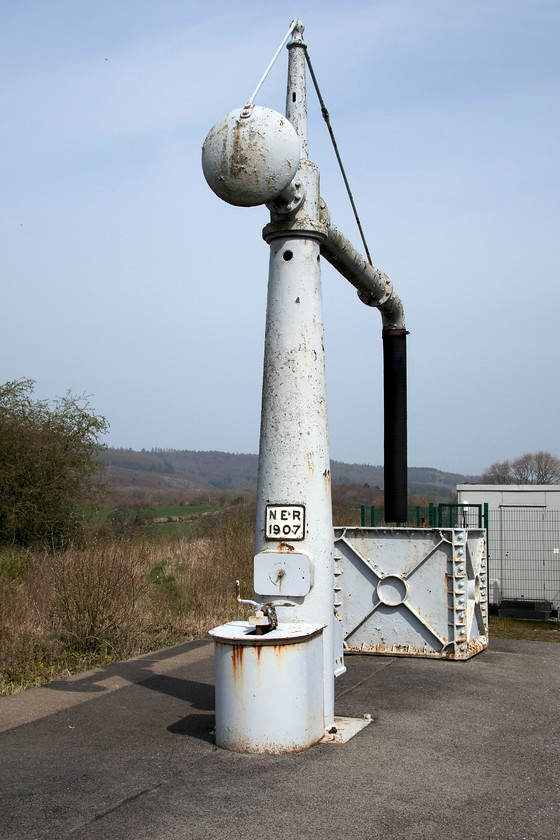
(250, 156)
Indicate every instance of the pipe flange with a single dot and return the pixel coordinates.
(371, 299)
(289, 200)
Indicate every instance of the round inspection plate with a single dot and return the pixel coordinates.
(392, 590)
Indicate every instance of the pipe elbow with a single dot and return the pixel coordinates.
(374, 287)
(392, 314)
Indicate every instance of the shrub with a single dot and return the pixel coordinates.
(96, 596)
(47, 466)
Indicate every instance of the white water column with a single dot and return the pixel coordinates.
(294, 484)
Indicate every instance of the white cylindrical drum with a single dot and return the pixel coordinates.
(269, 688)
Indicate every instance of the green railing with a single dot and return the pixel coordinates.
(374, 516)
(462, 516)
(442, 516)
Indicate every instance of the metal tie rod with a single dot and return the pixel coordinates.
(274, 57)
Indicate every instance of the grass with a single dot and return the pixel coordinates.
(534, 631)
(129, 512)
(183, 510)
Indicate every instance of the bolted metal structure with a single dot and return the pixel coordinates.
(412, 591)
(250, 158)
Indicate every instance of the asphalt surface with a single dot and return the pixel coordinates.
(456, 750)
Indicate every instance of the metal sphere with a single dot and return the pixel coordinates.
(250, 156)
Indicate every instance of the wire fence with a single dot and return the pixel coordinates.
(524, 556)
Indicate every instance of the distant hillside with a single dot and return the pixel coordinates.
(185, 470)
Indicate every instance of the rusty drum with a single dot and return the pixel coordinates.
(269, 688)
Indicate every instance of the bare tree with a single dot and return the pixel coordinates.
(523, 469)
(498, 473)
(536, 468)
(531, 468)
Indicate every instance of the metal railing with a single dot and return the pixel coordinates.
(440, 516)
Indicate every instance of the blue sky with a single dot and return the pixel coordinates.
(125, 278)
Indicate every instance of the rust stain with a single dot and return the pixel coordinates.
(238, 158)
(285, 547)
(478, 645)
(450, 652)
(268, 748)
(237, 659)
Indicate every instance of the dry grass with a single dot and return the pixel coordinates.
(80, 608)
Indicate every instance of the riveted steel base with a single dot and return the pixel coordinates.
(345, 728)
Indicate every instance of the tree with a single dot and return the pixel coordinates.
(498, 473)
(48, 469)
(531, 468)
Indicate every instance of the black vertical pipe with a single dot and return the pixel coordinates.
(394, 397)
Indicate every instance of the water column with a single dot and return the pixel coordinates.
(294, 536)
(275, 671)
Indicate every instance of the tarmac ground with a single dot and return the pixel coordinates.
(456, 750)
